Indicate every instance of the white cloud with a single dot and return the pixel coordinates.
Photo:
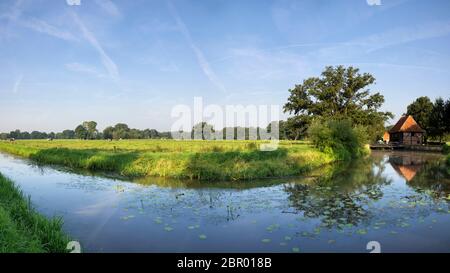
(256, 64)
(14, 13)
(406, 34)
(159, 26)
(17, 84)
(107, 62)
(109, 7)
(43, 27)
(397, 36)
(201, 59)
(78, 67)
(73, 2)
(38, 25)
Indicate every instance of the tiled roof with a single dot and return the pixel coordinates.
(406, 124)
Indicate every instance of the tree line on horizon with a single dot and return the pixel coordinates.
(88, 130)
(338, 94)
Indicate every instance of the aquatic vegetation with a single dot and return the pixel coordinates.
(128, 217)
(361, 231)
(237, 160)
(342, 203)
(272, 228)
(168, 228)
(22, 228)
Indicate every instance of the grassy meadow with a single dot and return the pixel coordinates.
(22, 229)
(202, 160)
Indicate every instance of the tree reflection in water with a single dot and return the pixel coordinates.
(433, 178)
(344, 195)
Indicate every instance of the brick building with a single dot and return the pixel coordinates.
(407, 132)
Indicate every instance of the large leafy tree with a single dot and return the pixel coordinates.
(108, 132)
(91, 128)
(447, 116)
(81, 132)
(421, 110)
(202, 130)
(294, 127)
(68, 134)
(339, 93)
(121, 130)
(436, 120)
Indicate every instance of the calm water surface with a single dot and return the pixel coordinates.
(400, 199)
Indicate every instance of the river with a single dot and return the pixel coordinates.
(401, 200)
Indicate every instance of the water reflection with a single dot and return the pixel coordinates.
(408, 164)
(341, 197)
(346, 195)
(399, 199)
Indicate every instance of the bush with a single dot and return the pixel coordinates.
(339, 137)
(446, 148)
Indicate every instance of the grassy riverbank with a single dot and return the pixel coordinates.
(22, 229)
(203, 160)
(446, 151)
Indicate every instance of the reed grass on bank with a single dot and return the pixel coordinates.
(22, 229)
(202, 160)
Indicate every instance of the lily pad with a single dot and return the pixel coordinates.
(265, 241)
(202, 236)
(168, 228)
(295, 249)
(128, 217)
(361, 231)
(403, 225)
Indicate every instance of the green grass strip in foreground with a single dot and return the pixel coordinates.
(22, 229)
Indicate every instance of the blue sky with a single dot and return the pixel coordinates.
(133, 61)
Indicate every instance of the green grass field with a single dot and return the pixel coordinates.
(202, 160)
(22, 229)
